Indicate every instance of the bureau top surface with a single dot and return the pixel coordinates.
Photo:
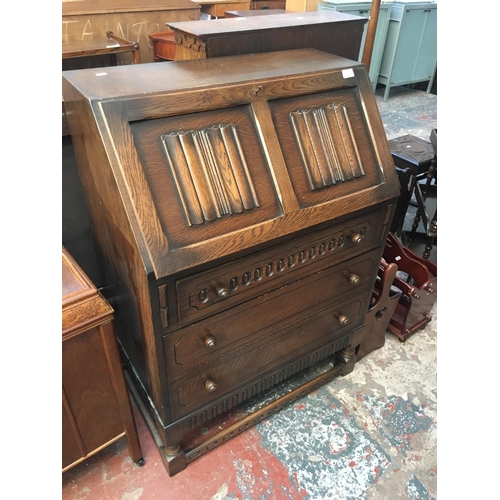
(259, 23)
(173, 76)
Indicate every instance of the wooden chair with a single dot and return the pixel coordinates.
(417, 280)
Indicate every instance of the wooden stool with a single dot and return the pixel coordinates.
(412, 158)
(430, 223)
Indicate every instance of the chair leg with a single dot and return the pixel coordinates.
(416, 222)
(431, 233)
(428, 248)
(430, 175)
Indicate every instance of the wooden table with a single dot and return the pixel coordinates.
(329, 31)
(111, 45)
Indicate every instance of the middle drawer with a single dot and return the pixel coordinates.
(208, 339)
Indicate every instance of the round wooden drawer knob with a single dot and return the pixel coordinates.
(222, 292)
(354, 279)
(343, 319)
(357, 238)
(210, 385)
(209, 341)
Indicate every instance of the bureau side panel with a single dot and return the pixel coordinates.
(126, 270)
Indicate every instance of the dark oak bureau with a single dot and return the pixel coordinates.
(240, 207)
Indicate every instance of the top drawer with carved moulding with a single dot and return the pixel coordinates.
(217, 289)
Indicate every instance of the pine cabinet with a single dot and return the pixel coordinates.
(363, 9)
(410, 53)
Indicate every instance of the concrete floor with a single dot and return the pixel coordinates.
(370, 435)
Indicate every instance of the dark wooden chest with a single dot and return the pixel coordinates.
(329, 31)
(240, 207)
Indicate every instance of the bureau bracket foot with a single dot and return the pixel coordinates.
(347, 357)
(173, 457)
(173, 463)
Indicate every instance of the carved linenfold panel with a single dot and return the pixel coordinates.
(211, 173)
(327, 145)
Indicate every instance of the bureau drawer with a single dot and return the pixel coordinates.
(212, 291)
(250, 364)
(246, 323)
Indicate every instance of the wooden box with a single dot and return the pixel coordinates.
(240, 206)
(96, 408)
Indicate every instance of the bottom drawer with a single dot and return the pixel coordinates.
(216, 381)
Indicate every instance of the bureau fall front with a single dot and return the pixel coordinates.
(240, 207)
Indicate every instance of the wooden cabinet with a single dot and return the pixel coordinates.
(333, 32)
(363, 9)
(410, 53)
(241, 206)
(270, 5)
(217, 8)
(302, 5)
(89, 20)
(96, 409)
